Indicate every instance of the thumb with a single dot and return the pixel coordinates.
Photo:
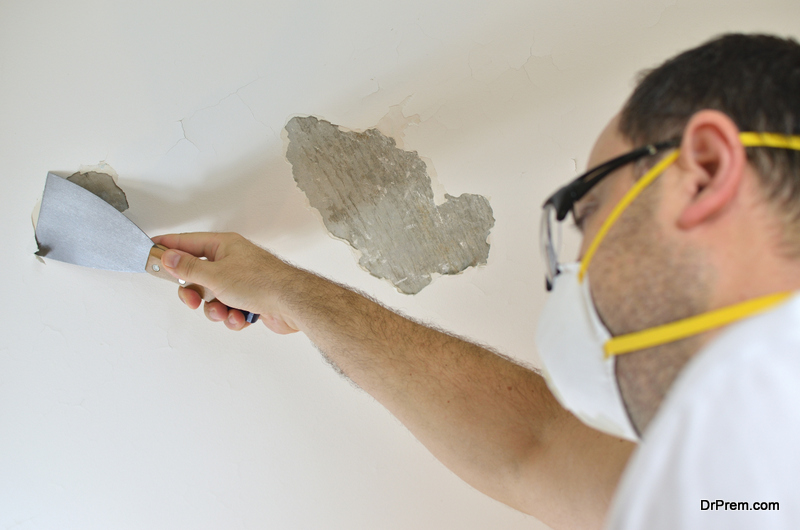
(185, 266)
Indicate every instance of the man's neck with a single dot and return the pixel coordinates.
(645, 377)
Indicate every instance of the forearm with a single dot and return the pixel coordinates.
(428, 379)
(493, 422)
(490, 420)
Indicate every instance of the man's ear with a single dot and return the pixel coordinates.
(714, 159)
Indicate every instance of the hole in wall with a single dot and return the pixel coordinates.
(379, 198)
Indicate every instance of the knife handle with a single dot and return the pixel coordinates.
(155, 268)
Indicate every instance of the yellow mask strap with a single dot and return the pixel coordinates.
(780, 141)
(689, 327)
(637, 188)
(748, 139)
(706, 321)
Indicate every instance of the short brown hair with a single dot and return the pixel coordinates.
(754, 79)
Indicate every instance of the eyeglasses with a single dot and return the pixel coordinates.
(562, 202)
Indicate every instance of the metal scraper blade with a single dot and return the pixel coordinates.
(76, 226)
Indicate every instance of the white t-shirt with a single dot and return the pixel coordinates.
(728, 432)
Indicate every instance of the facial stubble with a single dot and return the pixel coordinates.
(642, 277)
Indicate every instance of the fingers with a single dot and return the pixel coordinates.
(216, 311)
(238, 272)
(189, 297)
(187, 267)
(235, 320)
(197, 243)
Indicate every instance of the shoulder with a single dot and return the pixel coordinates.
(729, 430)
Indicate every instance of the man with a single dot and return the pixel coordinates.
(692, 243)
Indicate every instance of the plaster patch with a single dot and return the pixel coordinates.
(378, 197)
(102, 185)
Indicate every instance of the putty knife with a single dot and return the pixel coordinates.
(76, 226)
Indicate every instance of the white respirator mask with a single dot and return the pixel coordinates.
(577, 350)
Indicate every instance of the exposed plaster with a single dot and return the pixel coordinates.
(102, 185)
(379, 198)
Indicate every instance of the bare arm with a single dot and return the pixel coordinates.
(491, 421)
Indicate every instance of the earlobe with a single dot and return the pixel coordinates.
(713, 158)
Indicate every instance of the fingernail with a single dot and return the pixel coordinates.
(170, 259)
(231, 319)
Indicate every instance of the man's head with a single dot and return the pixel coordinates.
(754, 80)
(721, 225)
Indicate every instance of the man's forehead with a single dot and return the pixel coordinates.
(610, 144)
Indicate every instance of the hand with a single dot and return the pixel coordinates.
(239, 273)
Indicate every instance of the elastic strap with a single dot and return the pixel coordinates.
(641, 184)
(706, 321)
(780, 141)
(688, 327)
(748, 139)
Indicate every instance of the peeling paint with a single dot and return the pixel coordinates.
(395, 122)
(102, 185)
(378, 197)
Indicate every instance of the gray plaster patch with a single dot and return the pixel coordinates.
(103, 186)
(379, 198)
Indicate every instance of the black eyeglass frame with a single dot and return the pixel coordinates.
(564, 199)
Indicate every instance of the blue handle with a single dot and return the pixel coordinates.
(249, 317)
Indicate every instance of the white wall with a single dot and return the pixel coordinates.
(120, 408)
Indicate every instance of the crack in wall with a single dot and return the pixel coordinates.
(184, 121)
